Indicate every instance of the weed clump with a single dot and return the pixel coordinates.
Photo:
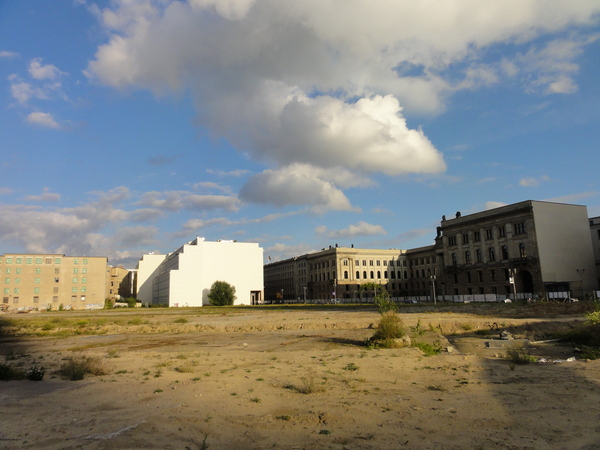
(77, 368)
(8, 372)
(389, 328)
(518, 354)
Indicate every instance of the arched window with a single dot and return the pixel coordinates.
(345, 274)
(504, 252)
(479, 255)
(453, 259)
(492, 254)
(372, 275)
(357, 275)
(468, 257)
(365, 274)
(393, 274)
(378, 274)
(385, 274)
(522, 253)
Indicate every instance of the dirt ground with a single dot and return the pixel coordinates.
(302, 379)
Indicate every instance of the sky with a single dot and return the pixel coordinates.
(133, 126)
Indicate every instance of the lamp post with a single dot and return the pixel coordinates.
(304, 294)
(512, 280)
(433, 286)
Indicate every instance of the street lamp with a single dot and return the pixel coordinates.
(304, 294)
(433, 286)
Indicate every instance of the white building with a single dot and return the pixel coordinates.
(184, 277)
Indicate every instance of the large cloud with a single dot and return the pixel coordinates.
(323, 82)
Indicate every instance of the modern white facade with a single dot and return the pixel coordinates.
(184, 277)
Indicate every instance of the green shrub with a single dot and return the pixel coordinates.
(221, 294)
(384, 302)
(429, 349)
(8, 372)
(519, 354)
(77, 367)
(181, 320)
(390, 327)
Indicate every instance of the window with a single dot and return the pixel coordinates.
(28, 260)
(365, 274)
(478, 255)
(75, 261)
(55, 299)
(476, 236)
(15, 299)
(465, 238)
(504, 252)
(493, 275)
(345, 276)
(55, 290)
(19, 260)
(506, 274)
(75, 270)
(17, 281)
(455, 276)
(468, 257)
(74, 289)
(480, 276)
(520, 228)
(84, 279)
(84, 270)
(36, 281)
(9, 260)
(56, 280)
(385, 274)
(345, 262)
(17, 291)
(378, 274)
(56, 260)
(83, 298)
(7, 281)
(385, 263)
(468, 277)
(83, 289)
(357, 275)
(56, 270)
(489, 234)
(36, 290)
(6, 291)
(364, 262)
(491, 254)
(522, 253)
(393, 274)
(73, 298)
(8, 270)
(36, 299)
(48, 260)
(357, 263)
(502, 231)
(38, 260)
(453, 259)
(452, 240)
(370, 262)
(372, 275)
(38, 270)
(18, 270)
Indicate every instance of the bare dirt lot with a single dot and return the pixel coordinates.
(295, 379)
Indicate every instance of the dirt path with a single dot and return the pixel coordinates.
(299, 380)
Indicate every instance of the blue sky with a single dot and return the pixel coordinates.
(132, 126)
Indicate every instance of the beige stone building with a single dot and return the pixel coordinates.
(119, 283)
(529, 248)
(49, 280)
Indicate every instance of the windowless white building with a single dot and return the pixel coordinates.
(184, 277)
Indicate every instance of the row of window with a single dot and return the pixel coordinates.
(519, 228)
(36, 299)
(36, 290)
(38, 260)
(492, 276)
(38, 280)
(491, 254)
(38, 270)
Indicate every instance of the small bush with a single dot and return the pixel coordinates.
(384, 302)
(390, 326)
(518, 354)
(181, 320)
(35, 373)
(429, 349)
(8, 372)
(76, 368)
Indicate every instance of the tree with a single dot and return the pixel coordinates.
(221, 294)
